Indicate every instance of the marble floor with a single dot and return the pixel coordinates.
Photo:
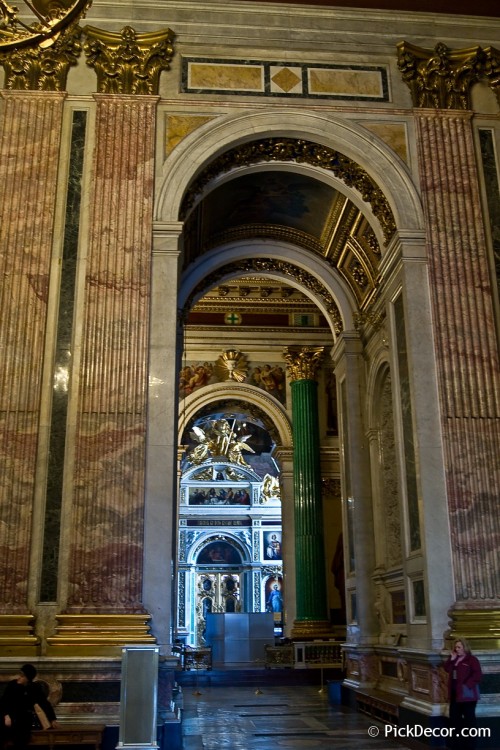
(277, 718)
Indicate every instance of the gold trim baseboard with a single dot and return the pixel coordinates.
(17, 637)
(481, 627)
(98, 634)
(303, 630)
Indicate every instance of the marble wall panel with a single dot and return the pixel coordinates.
(393, 134)
(272, 78)
(29, 147)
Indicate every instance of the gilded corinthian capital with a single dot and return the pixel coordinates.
(128, 62)
(303, 362)
(42, 68)
(442, 78)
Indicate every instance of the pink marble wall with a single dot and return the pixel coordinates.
(466, 348)
(106, 534)
(30, 131)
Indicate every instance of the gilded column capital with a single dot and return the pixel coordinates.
(303, 362)
(442, 78)
(40, 67)
(128, 62)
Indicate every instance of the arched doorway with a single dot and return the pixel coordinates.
(294, 259)
(230, 523)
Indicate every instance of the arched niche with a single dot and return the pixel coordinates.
(202, 146)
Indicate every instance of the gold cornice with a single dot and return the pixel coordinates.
(128, 62)
(267, 265)
(39, 68)
(442, 78)
(302, 152)
(303, 362)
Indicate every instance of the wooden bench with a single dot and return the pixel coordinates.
(69, 734)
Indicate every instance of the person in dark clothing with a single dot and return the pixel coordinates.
(464, 676)
(17, 707)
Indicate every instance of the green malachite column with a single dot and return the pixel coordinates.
(311, 617)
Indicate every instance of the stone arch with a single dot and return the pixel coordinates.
(210, 537)
(245, 393)
(205, 144)
(313, 276)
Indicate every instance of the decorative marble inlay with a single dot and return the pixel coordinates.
(273, 78)
(62, 362)
(179, 126)
(492, 181)
(407, 425)
(392, 133)
(285, 79)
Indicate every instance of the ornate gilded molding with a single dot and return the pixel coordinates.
(442, 78)
(17, 636)
(98, 634)
(48, 20)
(41, 68)
(302, 152)
(231, 365)
(303, 362)
(266, 265)
(128, 62)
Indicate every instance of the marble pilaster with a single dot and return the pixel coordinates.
(105, 558)
(466, 351)
(285, 458)
(29, 148)
(360, 558)
(162, 444)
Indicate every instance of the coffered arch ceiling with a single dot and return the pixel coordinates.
(275, 202)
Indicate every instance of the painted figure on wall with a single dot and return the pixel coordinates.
(272, 549)
(219, 553)
(193, 377)
(271, 379)
(274, 597)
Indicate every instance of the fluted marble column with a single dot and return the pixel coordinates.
(465, 337)
(105, 538)
(104, 531)
(30, 139)
(311, 614)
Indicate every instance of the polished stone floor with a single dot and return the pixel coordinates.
(275, 718)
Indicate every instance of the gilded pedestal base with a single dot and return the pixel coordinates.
(303, 630)
(98, 635)
(481, 627)
(17, 637)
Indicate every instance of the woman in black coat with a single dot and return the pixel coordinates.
(17, 707)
